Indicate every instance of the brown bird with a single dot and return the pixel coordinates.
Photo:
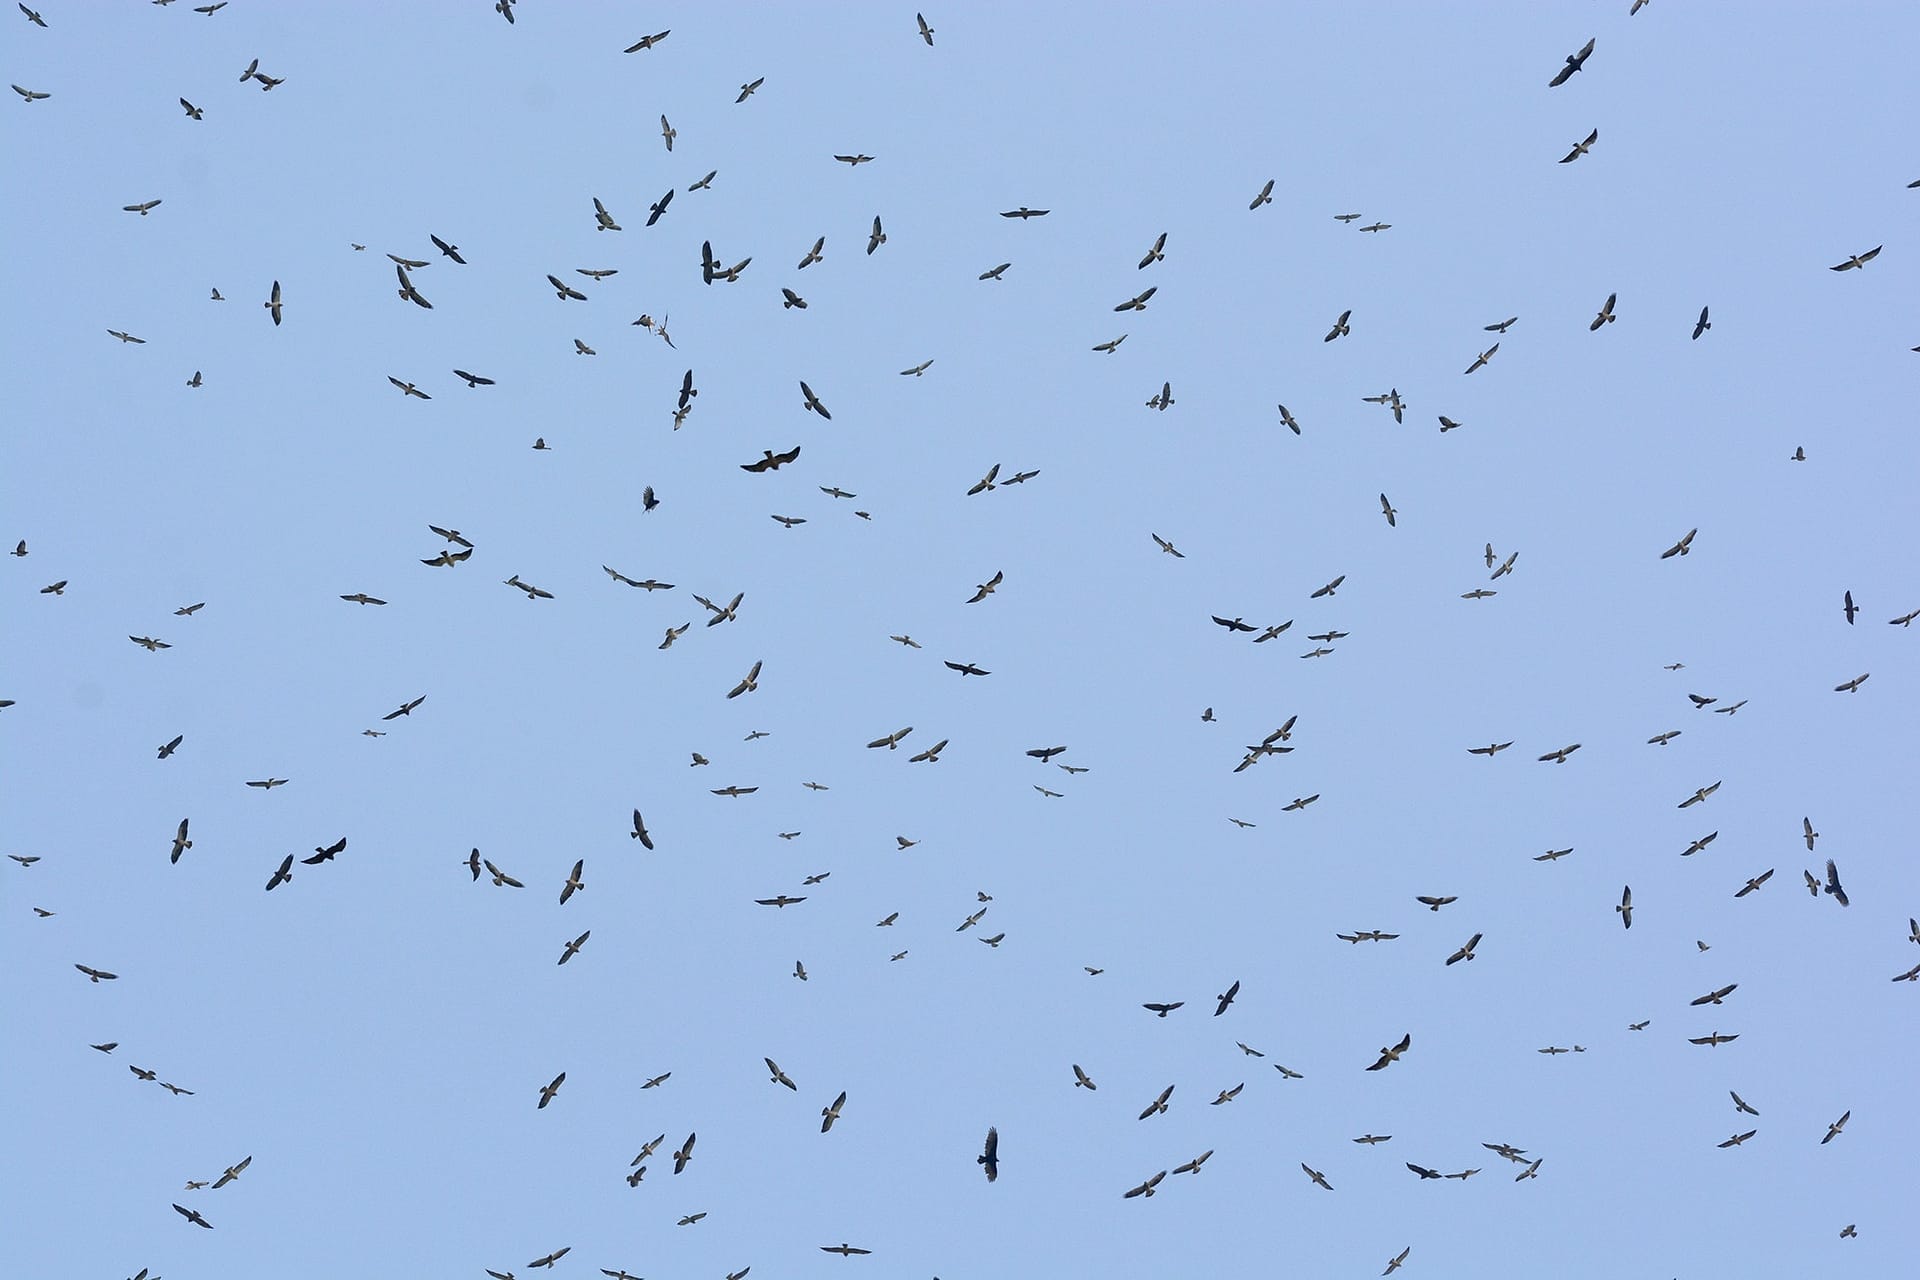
(1466, 951)
(1575, 62)
(1392, 1055)
(772, 461)
(549, 1090)
(574, 883)
(1159, 1105)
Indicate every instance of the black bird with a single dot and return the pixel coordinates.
(989, 1159)
(772, 461)
(639, 831)
(658, 207)
(1833, 885)
(193, 1216)
(564, 291)
(1023, 213)
(1575, 61)
(1162, 1010)
(473, 379)
(450, 250)
(1701, 325)
(169, 748)
(282, 875)
(411, 294)
(1849, 608)
(1226, 998)
(1605, 316)
(687, 390)
(326, 854)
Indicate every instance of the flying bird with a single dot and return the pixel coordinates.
(989, 1158)
(548, 1091)
(1625, 907)
(1226, 998)
(1575, 62)
(1581, 147)
(770, 462)
(1680, 548)
(1605, 315)
(876, 237)
(1159, 1105)
(1833, 886)
(273, 302)
(1701, 325)
(831, 1112)
(1265, 195)
(926, 32)
(1162, 1010)
(1854, 260)
(812, 402)
(1392, 1054)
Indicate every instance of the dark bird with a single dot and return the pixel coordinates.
(926, 32)
(411, 294)
(1162, 1010)
(639, 831)
(1146, 1188)
(1701, 325)
(1833, 885)
(1425, 1174)
(1226, 998)
(811, 401)
(1023, 213)
(96, 975)
(563, 291)
(326, 853)
(1848, 607)
(876, 237)
(447, 250)
(782, 900)
(1287, 419)
(472, 379)
(857, 159)
(1466, 951)
(684, 1154)
(273, 302)
(180, 842)
(989, 1158)
(1392, 1054)
(790, 300)
(547, 1091)
(771, 462)
(1680, 548)
(193, 1216)
(658, 207)
(996, 272)
(404, 709)
(1136, 303)
(1265, 195)
(1575, 61)
(1340, 327)
(1605, 316)
(169, 748)
(281, 875)
(967, 669)
(361, 597)
(1712, 1041)
(1625, 907)
(746, 90)
(844, 1249)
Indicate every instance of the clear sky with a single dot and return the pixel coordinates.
(375, 1033)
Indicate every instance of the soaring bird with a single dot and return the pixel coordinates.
(1833, 886)
(1581, 147)
(1575, 61)
(1605, 315)
(1701, 325)
(989, 1158)
(1854, 260)
(770, 462)
(549, 1090)
(1146, 1188)
(411, 294)
(1226, 998)
(193, 1216)
(1265, 195)
(926, 32)
(831, 1112)
(1155, 254)
(647, 42)
(180, 842)
(282, 874)
(326, 853)
(1625, 907)
(876, 237)
(1466, 950)
(1162, 1010)
(1159, 1105)
(811, 402)
(1680, 548)
(1392, 1054)
(574, 883)
(273, 302)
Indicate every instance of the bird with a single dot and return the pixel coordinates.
(790, 300)
(1424, 1173)
(746, 90)
(1854, 260)
(1081, 1080)
(574, 883)
(967, 669)
(1701, 325)
(1392, 401)
(926, 32)
(193, 1215)
(857, 159)
(603, 220)
(843, 1249)
(411, 294)
(447, 250)
(1848, 607)
(273, 303)
(982, 590)
(1265, 195)
(1319, 1179)
(1393, 1263)
(500, 878)
(996, 273)
(1226, 998)
(1490, 750)
(1503, 326)
(811, 402)
(1833, 1130)
(282, 874)
(232, 1172)
(326, 853)
(930, 755)
(169, 748)
(1340, 327)
(1737, 1139)
(1146, 1188)
(31, 95)
(668, 132)
(1155, 254)
(1023, 213)
(180, 842)
(1575, 62)
(404, 709)
(1136, 303)
(1581, 147)
(549, 1259)
(1833, 886)
(1698, 797)
(142, 208)
(564, 291)
(1466, 951)
(1560, 756)
(573, 948)
(1680, 548)
(1853, 685)
(771, 461)
(548, 1091)
(876, 237)
(814, 254)
(647, 42)
(1392, 1054)
(831, 1112)
(1754, 884)
(1159, 1105)
(1625, 907)
(95, 976)
(748, 684)
(1712, 1041)
(1386, 509)
(1605, 315)
(1480, 361)
(781, 900)
(407, 388)
(1163, 399)
(989, 1157)
(1162, 1010)
(684, 1154)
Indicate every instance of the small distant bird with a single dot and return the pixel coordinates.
(141, 208)
(989, 1158)
(1712, 1041)
(273, 302)
(812, 402)
(1386, 509)
(168, 748)
(1340, 327)
(1680, 548)
(1581, 147)
(831, 1112)
(1575, 62)
(647, 42)
(1753, 885)
(1625, 907)
(1265, 196)
(926, 32)
(1159, 1105)
(1023, 213)
(193, 1215)
(1136, 303)
(1162, 1010)
(1605, 316)
(1848, 607)
(1226, 998)
(996, 273)
(876, 237)
(1466, 951)
(30, 95)
(668, 132)
(1701, 325)
(1155, 254)
(548, 1091)
(1853, 262)
(1480, 361)
(746, 90)
(326, 853)
(1833, 886)
(1146, 1188)
(1393, 1053)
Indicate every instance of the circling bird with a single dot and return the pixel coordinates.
(989, 1158)
(1575, 62)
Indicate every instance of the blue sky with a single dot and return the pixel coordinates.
(375, 1033)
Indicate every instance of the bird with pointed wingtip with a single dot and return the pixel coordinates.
(1466, 950)
(1392, 1054)
(1712, 1041)
(1680, 548)
(273, 302)
(1699, 796)
(282, 874)
(1853, 685)
(1853, 263)
(1136, 303)
(982, 590)
(1265, 195)
(1625, 907)
(1581, 147)
(30, 95)
(1575, 62)
(1226, 998)
(1753, 885)
(1605, 315)
(876, 237)
(1340, 327)
(411, 294)
(326, 853)
(1480, 361)
(1833, 887)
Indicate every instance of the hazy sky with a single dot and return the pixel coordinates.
(376, 1032)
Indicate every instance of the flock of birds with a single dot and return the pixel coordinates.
(409, 282)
